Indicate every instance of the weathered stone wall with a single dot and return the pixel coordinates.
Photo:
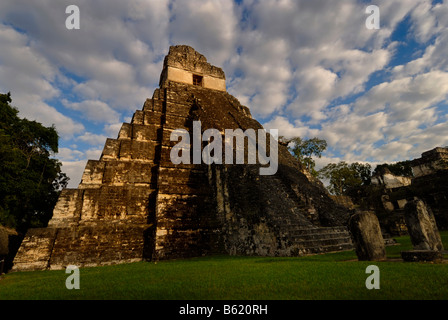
(433, 190)
(182, 62)
(430, 162)
(390, 194)
(390, 181)
(183, 76)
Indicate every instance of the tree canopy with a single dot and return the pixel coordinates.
(401, 168)
(344, 177)
(31, 179)
(304, 150)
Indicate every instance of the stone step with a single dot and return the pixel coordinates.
(319, 239)
(320, 242)
(324, 230)
(318, 236)
(329, 248)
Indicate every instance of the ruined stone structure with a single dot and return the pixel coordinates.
(423, 232)
(429, 182)
(134, 204)
(367, 237)
(422, 226)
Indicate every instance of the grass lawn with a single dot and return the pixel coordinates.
(319, 277)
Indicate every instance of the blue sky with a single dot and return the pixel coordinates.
(306, 68)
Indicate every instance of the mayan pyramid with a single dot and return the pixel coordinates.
(134, 204)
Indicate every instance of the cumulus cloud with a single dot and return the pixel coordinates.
(307, 68)
(289, 130)
(69, 154)
(30, 78)
(108, 54)
(93, 139)
(407, 98)
(93, 110)
(207, 25)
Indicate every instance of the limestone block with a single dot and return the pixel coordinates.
(158, 105)
(125, 131)
(157, 94)
(145, 132)
(116, 203)
(431, 162)
(214, 83)
(138, 150)
(93, 174)
(392, 181)
(111, 149)
(67, 210)
(153, 118)
(126, 172)
(137, 118)
(366, 233)
(35, 250)
(144, 150)
(174, 122)
(176, 108)
(170, 176)
(166, 137)
(165, 159)
(98, 244)
(422, 226)
(148, 105)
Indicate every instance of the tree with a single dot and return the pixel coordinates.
(31, 179)
(344, 177)
(401, 168)
(303, 150)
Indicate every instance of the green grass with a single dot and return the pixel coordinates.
(329, 276)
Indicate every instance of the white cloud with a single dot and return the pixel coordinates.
(29, 77)
(93, 153)
(301, 66)
(67, 154)
(407, 98)
(287, 129)
(207, 25)
(112, 130)
(93, 110)
(93, 139)
(425, 22)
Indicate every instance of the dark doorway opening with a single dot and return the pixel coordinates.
(197, 80)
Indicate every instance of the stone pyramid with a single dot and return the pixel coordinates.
(134, 204)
